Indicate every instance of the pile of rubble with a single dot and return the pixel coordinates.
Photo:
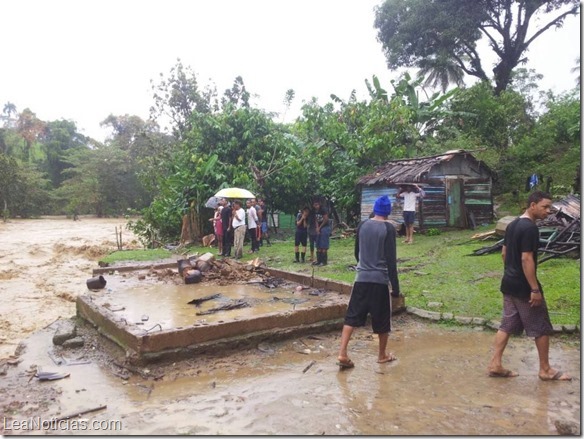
(559, 232)
(205, 267)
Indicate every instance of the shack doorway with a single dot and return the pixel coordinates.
(455, 202)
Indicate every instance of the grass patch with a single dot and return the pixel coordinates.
(137, 255)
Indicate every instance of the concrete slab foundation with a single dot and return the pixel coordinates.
(278, 314)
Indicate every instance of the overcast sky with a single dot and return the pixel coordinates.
(84, 60)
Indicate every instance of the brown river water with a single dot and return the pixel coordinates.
(438, 385)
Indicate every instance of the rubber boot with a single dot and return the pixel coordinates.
(302, 256)
(318, 262)
(297, 257)
(324, 259)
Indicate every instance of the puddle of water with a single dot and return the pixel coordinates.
(168, 305)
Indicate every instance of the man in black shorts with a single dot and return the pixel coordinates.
(524, 306)
(375, 251)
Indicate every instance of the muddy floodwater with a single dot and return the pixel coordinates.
(438, 385)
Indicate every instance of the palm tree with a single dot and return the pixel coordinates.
(441, 71)
(9, 109)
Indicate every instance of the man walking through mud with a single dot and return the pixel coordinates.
(375, 251)
(524, 306)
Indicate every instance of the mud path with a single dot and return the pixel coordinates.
(44, 264)
(438, 385)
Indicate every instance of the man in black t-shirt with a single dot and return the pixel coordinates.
(524, 306)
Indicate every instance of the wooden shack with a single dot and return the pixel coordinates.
(457, 186)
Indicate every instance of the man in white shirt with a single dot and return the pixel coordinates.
(252, 224)
(410, 193)
(238, 224)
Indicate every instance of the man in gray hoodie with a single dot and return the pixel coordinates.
(375, 251)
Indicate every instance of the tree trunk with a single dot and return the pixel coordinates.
(191, 230)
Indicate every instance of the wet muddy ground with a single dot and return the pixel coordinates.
(438, 385)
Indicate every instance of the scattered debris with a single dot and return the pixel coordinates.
(204, 299)
(82, 412)
(96, 283)
(51, 376)
(559, 232)
(316, 293)
(312, 363)
(158, 324)
(76, 342)
(484, 236)
(265, 349)
(235, 304)
(67, 330)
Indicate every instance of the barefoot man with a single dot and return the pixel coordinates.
(375, 251)
(524, 306)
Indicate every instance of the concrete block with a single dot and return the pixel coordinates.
(207, 257)
(570, 329)
(494, 324)
(447, 316)
(558, 329)
(463, 320)
(427, 314)
(66, 331)
(478, 321)
(76, 342)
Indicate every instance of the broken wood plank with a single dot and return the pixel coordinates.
(234, 305)
(312, 363)
(484, 235)
(81, 412)
(204, 299)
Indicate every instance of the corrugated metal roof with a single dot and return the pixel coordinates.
(411, 170)
(569, 206)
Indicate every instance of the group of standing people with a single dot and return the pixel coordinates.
(231, 222)
(313, 226)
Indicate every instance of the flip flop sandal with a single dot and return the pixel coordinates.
(557, 377)
(345, 364)
(505, 373)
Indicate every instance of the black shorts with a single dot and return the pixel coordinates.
(409, 217)
(369, 298)
(301, 237)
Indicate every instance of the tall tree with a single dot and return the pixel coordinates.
(29, 126)
(177, 97)
(58, 137)
(421, 33)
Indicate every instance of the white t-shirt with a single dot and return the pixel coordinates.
(410, 201)
(238, 218)
(252, 218)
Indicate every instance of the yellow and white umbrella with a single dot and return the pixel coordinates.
(234, 192)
